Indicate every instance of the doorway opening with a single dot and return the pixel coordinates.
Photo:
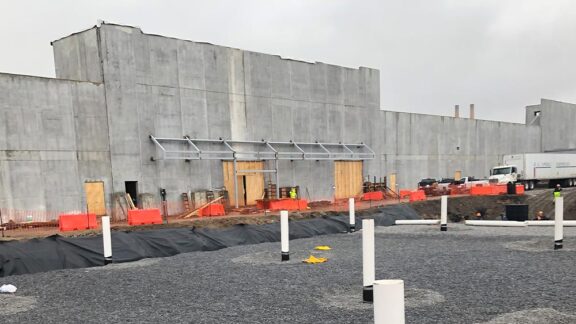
(132, 189)
(245, 191)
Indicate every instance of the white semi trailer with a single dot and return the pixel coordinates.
(531, 168)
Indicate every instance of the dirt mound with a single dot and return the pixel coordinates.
(465, 207)
(543, 200)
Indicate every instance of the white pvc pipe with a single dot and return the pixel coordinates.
(495, 223)
(444, 213)
(352, 214)
(284, 235)
(107, 239)
(389, 302)
(566, 223)
(558, 219)
(368, 259)
(417, 222)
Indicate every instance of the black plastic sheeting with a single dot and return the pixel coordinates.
(57, 252)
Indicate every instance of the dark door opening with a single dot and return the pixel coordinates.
(132, 190)
(244, 187)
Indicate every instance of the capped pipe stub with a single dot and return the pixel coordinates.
(368, 294)
(557, 245)
(285, 256)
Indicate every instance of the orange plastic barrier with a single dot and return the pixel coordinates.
(417, 195)
(375, 195)
(212, 210)
(74, 222)
(288, 204)
(481, 191)
(144, 216)
(494, 190)
(405, 193)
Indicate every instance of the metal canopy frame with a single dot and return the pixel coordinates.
(227, 150)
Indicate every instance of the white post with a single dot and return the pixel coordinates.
(368, 259)
(558, 222)
(107, 239)
(284, 235)
(352, 214)
(444, 213)
(389, 302)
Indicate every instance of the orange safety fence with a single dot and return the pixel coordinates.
(405, 193)
(494, 190)
(374, 195)
(212, 210)
(417, 195)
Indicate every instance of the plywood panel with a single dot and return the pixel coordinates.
(254, 181)
(95, 197)
(392, 182)
(457, 175)
(347, 179)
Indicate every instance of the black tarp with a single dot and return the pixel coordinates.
(57, 252)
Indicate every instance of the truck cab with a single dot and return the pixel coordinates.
(504, 174)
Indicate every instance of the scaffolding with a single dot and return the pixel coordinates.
(228, 150)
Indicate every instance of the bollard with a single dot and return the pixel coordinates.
(107, 239)
(352, 215)
(558, 222)
(389, 302)
(444, 213)
(368, 260)
(284, 235)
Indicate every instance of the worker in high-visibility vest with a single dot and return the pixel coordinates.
(293, 193)
(557, 192)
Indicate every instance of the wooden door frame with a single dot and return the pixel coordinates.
(232, 184)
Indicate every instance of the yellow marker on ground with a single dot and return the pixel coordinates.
(312, 260)
(323, 248)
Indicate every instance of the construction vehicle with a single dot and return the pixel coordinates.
(532, 168)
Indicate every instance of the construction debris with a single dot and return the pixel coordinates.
(195, 211)
(7, 289)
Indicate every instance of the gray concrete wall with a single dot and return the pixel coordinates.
(53, 137)
(170, 88)
(416, 146)
(77, 57)
(557, 123)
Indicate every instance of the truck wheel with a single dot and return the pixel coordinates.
(532, 184)
(526, 186)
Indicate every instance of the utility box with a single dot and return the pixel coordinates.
(517, 213)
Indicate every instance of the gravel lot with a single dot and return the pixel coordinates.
(466, 275)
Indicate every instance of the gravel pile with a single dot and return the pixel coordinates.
(467, 275)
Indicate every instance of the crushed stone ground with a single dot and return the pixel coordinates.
(466, 275)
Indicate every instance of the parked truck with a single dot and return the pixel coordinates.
(531, 168)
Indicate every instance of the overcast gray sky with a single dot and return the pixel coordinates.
(432, 54)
